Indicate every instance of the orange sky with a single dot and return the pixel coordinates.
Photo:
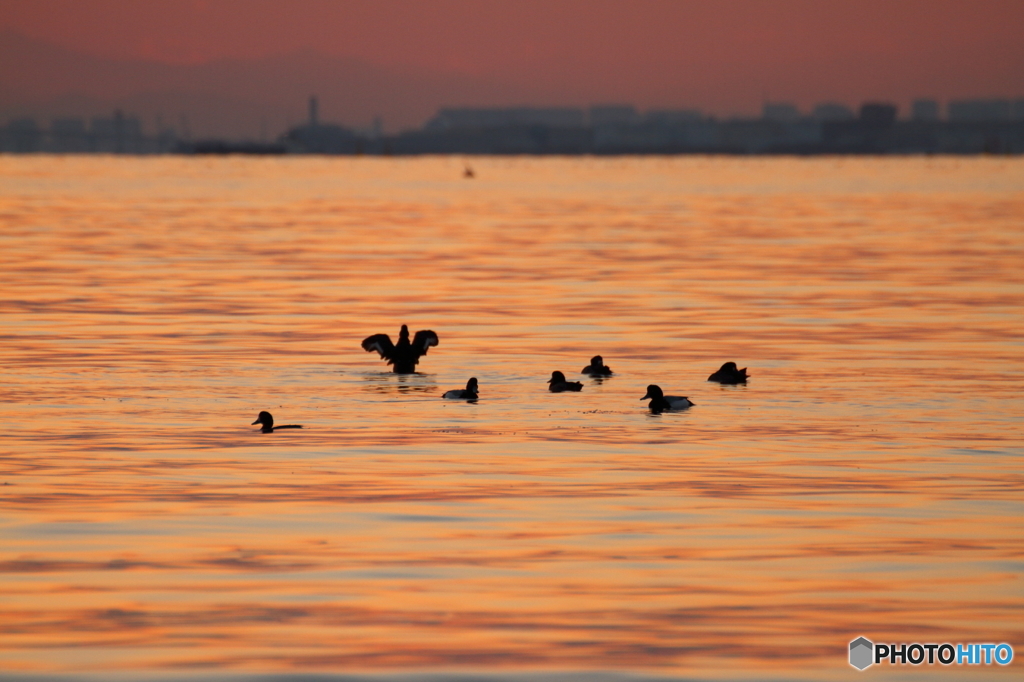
(724, 57)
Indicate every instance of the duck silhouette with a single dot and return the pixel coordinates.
(468, 393)
(404, 356)
(267, 420)
(728, 374)
(597, 368)
(558, 384)
(661, 402)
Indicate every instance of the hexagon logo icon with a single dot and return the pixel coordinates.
(861, 653)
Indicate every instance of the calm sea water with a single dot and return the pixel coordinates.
(868, 480)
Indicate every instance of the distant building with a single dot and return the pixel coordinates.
(673, 116)
(615, 127)
(880, 114)
(872, 132)
(68, 135)
(24, 135)
(320, 138)
(761, 136)
(782, 112)
(478, 119)
(992, 126)
(166, 139)
(832, 111)
(662, 131)
(976, 110)
(924, 110)
(613, 114)
(117, 135)
(372, 132)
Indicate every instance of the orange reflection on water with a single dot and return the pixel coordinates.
(867, 481)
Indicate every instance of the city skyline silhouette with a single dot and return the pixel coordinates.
(245, 69)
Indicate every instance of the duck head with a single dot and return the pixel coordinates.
(653, 392)
(557, 378)
(266, 419)
(471, 385)
(597, 361)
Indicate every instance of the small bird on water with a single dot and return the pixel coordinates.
(405, 355)
(597, 368)
(558, 384)
(728, 374)
(267, 420)
(661, 402)
(468, 393)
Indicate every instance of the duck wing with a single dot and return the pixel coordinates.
(563, 386)
(460, 394)
(380, 343)
(423, 340)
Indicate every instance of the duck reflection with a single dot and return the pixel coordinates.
(401, 383)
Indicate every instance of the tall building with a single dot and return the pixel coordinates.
(320, 138)
(924, 110)
(878, 113)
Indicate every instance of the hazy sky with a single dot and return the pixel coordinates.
(725, 56)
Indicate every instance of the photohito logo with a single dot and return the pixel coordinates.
(864, 653)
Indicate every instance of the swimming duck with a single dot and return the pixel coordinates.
(267, 420)
(404, 356)
(661, 402)
(597, 368)
(468, 393)
(728, 374)
(558, 384)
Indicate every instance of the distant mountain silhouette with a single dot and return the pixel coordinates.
(227, 98)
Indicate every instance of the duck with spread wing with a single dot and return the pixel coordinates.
(403, 356)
